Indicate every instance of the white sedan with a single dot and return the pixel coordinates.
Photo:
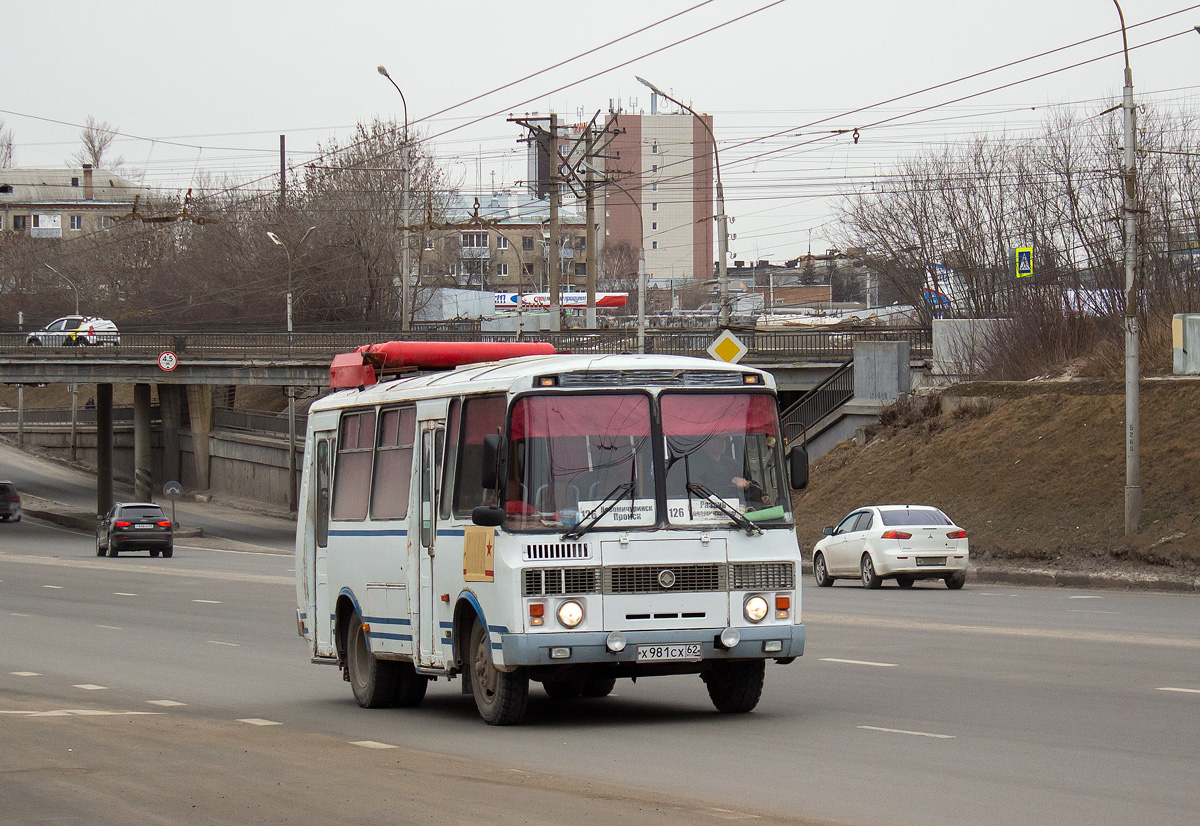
(901, 542)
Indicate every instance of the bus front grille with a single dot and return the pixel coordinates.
(540, 582)
(750, 576)
(660, 579)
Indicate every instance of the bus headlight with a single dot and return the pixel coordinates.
(570, 613)
(755, 608)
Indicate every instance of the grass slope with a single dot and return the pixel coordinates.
(1038, 479)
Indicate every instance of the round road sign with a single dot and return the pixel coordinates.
(168, 360)
(172, 490)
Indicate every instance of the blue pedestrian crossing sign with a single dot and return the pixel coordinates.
(1024, 261)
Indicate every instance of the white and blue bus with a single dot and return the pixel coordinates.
(565, 519)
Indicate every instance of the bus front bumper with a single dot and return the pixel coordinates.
(591, 647)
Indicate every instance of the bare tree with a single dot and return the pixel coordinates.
(6, 146)
(97, 137)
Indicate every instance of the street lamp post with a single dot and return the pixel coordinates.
(722, 221)
(405, 297)
(1133, 488)
(74, 387)
(291, 391)
(275, 239)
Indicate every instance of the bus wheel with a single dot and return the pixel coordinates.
(599, 686)
(500, 696)
(410, 686)
(373, 680)
(735, 687)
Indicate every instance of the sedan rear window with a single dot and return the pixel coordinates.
(143, 512)
(914, 516)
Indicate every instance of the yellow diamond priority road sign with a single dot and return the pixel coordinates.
(727, 348)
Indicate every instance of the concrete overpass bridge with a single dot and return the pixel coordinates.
(204, 361)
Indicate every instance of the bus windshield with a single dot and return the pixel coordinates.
(572, 454)
(724, 446)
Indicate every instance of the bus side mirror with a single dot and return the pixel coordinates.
(489, 516)
(490, 472)
(798, 467)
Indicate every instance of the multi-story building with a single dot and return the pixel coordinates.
(62, 203)
(511, 247)
(659, 196)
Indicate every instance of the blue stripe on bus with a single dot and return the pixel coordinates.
(404, 637)
(498, 629)
(364, 532)
(387, 620)
(445, 625)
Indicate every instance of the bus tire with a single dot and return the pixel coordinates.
(500, 696)
(372, 680)
(599, 686)
(410, 686)
(735, 687)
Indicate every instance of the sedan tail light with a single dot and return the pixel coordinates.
(896, 535)
(166, 523)
(959, 534)
(121, 523)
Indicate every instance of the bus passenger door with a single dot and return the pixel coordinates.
(425, 522)
(318, 576)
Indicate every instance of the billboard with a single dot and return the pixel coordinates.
(530, 301)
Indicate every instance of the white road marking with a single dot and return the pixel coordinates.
(1182, 690)
(1087, 596)
(15, 614)
(121, 594)
(372, 744)
(25, 673)
(208, 601)
(730, 814)
(91, 687)
(110, 627)
(913, 733)
(1085, 611)
(258, 721)
(857, 662)
(230, 644)
(168, 703)
(6, 711)
(53, 587)
(90, 712)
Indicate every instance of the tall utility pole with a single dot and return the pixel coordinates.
(590, 234)
(1133, 487)
(405, 163)
(554, 255)
(282, 174)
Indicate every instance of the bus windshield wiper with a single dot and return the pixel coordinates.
(593, 516)
(720, 504)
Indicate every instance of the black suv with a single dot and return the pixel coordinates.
(10, 502)
(135, 526)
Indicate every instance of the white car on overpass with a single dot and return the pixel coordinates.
(72, 330)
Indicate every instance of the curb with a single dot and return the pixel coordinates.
(1045, 577)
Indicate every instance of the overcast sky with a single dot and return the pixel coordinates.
(208, 87)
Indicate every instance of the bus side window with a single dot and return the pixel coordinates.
(322, 492)
(449, 464)
(352, 471)
(482, 415)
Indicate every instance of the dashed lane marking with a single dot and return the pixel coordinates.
(208, 601)
(25, 673)
(857, 662)
(53, 587)
(913, 733)
(167, 703)
(1086, 596)
(122, 594)
(111, 627)
(372, 744)
(258, 721)
(91, 687)
(1182, 690)
(230, 644)
(730, 814)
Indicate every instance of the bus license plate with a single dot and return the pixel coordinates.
(675, 651)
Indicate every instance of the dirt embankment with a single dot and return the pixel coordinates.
(1038, 478)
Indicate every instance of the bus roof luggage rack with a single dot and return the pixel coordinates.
(368, 363)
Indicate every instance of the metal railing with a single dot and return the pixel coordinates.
(816, 404)
(764, 347)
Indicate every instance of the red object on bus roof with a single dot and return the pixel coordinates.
(360, 368)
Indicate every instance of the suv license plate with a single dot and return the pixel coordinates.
(675, 651)
(144, 527)
(931, 560)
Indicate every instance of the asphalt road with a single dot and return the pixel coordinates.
(990, 705)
